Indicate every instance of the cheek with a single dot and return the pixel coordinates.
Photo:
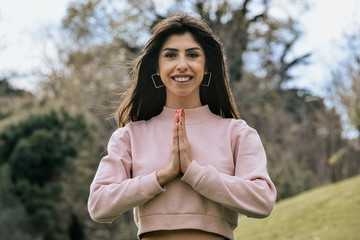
(201, 68)
(163, 67)
(202, 65)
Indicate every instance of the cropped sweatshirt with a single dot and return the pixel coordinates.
(227, 175)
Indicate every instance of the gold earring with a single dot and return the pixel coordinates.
(157, 80)
(206, 80)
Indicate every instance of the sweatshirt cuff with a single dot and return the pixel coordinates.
(150, 185)
(193, 174)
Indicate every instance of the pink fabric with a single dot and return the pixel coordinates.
(227, 175)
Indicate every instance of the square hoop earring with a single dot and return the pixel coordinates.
(157, 80)
(206, 80)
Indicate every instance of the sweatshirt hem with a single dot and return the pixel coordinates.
(205, 223)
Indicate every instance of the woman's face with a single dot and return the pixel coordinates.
(181, 68)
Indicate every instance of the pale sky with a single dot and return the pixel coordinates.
(23, 24)
(22, 29)
(324, 26)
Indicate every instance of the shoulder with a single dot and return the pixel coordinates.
(236, 128)
(240, 129)
(127, 129)
(124, 135)
(134, 128)
(119, 136)
(124, 132)
(235, 125)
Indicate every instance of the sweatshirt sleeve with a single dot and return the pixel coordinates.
(250, 191)
(113, 190)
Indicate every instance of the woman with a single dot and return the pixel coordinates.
(181, 158)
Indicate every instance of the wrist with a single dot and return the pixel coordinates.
(165, 175)
(185, 166)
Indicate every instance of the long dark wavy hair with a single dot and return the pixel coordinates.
(143, 101)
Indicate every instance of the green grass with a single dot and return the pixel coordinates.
(331, 212)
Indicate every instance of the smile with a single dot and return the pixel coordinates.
(182, 79)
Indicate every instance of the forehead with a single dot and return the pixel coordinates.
(180, 41)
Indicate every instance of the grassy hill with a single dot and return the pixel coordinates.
(331, 212)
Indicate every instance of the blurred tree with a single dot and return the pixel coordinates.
(345, 93)
(9, 96)
(14, 221)
(7, 90)
(104, 36)
(248, 29)
(39, 153)
(298, 131)
(346, 80)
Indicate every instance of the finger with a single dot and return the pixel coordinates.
(176, 136)
(183, 139)
(176, 116)
(184, 149)
(182, 121)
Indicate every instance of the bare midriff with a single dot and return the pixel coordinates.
(185, 234)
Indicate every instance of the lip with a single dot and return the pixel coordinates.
(191, 77)
(181, 75)
(182, 82)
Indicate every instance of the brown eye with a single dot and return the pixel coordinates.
(193, 55)
(170, 55)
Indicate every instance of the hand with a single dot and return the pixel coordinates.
(180, 155)
(184, 145)
(172, 169)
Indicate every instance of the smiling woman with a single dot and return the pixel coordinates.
(182, 67)
(182, 158)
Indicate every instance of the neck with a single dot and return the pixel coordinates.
(183, 102)
(193, 115)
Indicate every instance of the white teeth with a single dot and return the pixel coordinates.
(182, 79)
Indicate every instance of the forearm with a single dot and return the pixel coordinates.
(108, 201)
(251, 197)
(165, 175)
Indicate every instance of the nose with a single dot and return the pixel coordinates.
(182, 64)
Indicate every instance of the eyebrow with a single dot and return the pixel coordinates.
(176, 50)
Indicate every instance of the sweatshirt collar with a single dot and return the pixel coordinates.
(192, 115)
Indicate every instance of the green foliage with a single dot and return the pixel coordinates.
(37, 151)
(331, 212)
(10, 96)
(56, 126)
(42, 149)
(7, 90)
(14, 221)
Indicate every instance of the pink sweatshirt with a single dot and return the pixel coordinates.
(227, 175)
